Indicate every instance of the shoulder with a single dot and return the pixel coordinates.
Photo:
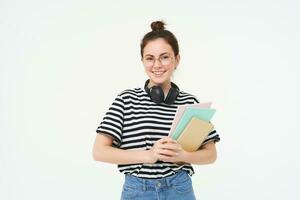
(131, 93)
(188, 96)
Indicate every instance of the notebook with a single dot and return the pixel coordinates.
(180, 110)
(201, 113)
(194, 134)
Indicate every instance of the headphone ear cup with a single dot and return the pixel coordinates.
(157, 94)
(172, 95)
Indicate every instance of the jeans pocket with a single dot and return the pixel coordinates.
(183, 187)
(129, 192)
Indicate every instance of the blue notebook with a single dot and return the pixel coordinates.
(201, 113)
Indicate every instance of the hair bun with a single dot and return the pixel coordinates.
(158, 26)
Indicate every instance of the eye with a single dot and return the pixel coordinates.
(165, 57)
(149, 58)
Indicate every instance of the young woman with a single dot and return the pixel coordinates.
(134, 131)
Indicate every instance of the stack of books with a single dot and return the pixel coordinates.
(191, 125)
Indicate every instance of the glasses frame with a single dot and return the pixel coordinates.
(159, 59)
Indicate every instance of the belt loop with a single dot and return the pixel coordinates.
(144, 184)
(168, 181)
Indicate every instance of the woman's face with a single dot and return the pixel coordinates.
(159, 61)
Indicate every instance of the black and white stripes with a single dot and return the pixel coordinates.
(135, 122)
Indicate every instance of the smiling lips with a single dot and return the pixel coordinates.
(158, 73)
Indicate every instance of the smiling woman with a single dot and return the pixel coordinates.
(159, 72)
(163, 44)
(134, 131)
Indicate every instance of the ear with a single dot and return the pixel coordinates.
(177, 59)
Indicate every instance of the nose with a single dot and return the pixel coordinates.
(157, 63)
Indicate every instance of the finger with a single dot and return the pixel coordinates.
(157, 146)
(174, 147)
(164, 139)
(170, 141)
(167, 158)
(167, 152)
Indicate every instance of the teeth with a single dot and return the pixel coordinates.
(158, 73)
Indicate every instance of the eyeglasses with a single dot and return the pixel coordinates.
(163, 59)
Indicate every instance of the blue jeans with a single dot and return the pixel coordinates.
(177, 186)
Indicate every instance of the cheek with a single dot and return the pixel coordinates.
(148, 70)
(172, 65)
(170, 68)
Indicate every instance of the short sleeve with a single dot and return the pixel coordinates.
(213, 135)
(112, 123)
(195, 99)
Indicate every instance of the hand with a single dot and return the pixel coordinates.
(168, 150)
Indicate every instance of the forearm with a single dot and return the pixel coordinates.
(202, 156)
(114, 155)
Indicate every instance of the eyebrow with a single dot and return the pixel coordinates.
(159, 55)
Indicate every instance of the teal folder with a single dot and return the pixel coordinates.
(201, 113)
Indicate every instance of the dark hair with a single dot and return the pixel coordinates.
(158, 31)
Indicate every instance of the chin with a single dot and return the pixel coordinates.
(158, 81)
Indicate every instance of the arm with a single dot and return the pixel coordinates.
(103, 151)
(206, 155)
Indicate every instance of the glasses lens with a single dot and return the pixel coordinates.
(149, 61)
(165, 60)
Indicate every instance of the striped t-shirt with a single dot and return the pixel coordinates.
(135, 122)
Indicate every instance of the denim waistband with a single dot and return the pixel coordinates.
(145, 183)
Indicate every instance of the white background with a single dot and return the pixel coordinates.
(63, 62)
